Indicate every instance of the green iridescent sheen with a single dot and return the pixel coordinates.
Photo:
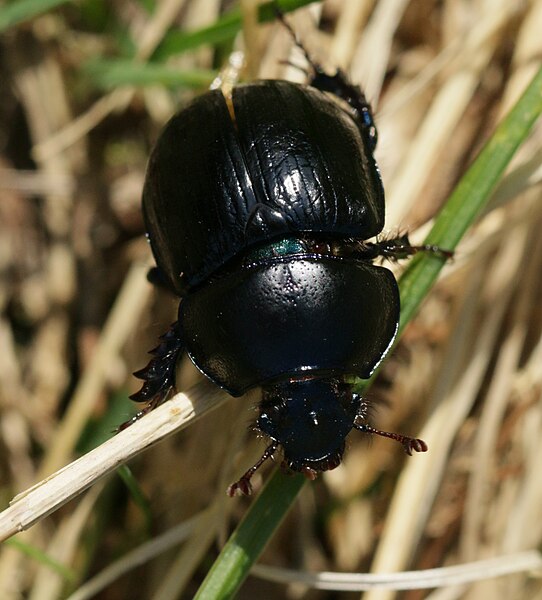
(282, 247)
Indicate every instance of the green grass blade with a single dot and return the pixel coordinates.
(137, 494)
(465, 204)
(250, 538)
(470, 196)
(42, 558)
(222, 30)
(23, 10)
(110, 74)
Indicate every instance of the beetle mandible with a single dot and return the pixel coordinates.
(258, 207)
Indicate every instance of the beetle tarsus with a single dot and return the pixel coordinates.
(156, 401)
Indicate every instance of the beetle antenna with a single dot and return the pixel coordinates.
(243, 487)
(282, 18)
(410, 444)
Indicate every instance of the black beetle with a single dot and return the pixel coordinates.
(258, 205)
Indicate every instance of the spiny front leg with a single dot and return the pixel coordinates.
(159, 374)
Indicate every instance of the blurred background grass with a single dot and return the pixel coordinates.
(86, 89)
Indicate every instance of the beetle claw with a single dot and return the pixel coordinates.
(243, 487)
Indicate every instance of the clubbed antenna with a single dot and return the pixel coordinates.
(410, 444)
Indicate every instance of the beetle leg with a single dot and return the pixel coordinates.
(410, 444)
(399, 248)
(338, 85)
(243, 487)
(159, 374)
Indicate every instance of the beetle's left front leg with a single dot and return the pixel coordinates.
(398, 248)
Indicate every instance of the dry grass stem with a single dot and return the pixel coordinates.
(48, 495)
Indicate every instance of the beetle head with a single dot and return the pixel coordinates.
(309, 419)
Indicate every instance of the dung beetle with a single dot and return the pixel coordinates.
(258, 206)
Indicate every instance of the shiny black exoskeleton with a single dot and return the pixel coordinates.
(257, 207)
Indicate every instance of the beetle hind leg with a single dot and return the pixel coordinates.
(159, 374)
(339, 85)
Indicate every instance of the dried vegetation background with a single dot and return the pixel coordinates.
(77, 315)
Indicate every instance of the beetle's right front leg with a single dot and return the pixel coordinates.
(159, 374)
